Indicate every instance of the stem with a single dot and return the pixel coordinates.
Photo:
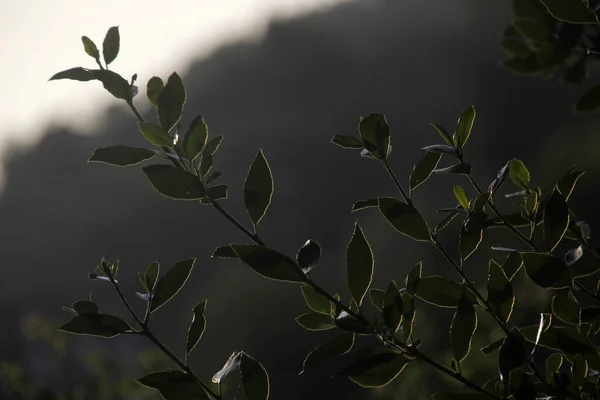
(396, 182)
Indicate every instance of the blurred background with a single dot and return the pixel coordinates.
(284, 76)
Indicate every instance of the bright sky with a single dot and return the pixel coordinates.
(39, 38)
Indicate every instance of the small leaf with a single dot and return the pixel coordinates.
(553, 363)
(174, 183)
(269, 263)
(255, 380)
(121, 156)
(258, 188)
(571, 11)
(461, 196)
(362, 204)
(375, 135)
(500, 178)
(174, 385)
(195, 138)
(423, 169)
(566, 184)
(75, 74)
(359, 265)
(338, 345)
(224, 252)
(206, 164)
(440, 291)
(315, 322)
(377, 297)
(579, 371)
(512, 264)
(196, 327)
(480, 202)
(170, 102)
(519, 173)
(212, 146)
(404, 218)
(412, 278)
(110, 45)
(408, 315)
(308, 256)
(444, 223)
(547, 270)
(96, 325)
(512, 354)
(153, 89)
(392, 307)
(85, 307)
(462, 168)
(151, 276)
(440, 148)
(463, 328)
(443, 134)
(531, 203)
(114, 83)
(566, 309)
(316, 301)
(556, 220)
(90, 47)
(375, 367)
(170, 284)
(590, 101)
(155, 134)
(347, 142)
(469, 242)
(464, 126)
(500, 292)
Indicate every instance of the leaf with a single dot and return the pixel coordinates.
(316, 301)
(566, 184)
(531, 203)
(359, 265)
(375, 367)
(75, 74)
(308, 256)
(524, 67)
(556, 220)
(579, 371)
(375, 135)
(519, 173)
(490, 348)
(338, 345)
(464, 126)
(174, 385)
(440, 148)
(224, 252)
(114, 83)
(512, 264)
(269, 263)
(347, 142)
(90, 47)
(572, 11)
(392, 307)
(533, 30)
(206, 164)
(155, 134)
(255, 380)
(171, 283)
(174, 183)
(440, 291)
(553, 363)
(102, 325)
(154, 87)
(121, 156)
(463, 328)
(547, 270)
(469, 242)
(212, 146)
(590, 101)
(217, 192)
(512, 354)
(362, 204)
(377, 297)
(170, 102)
(442, 132)
(500, 292)
(258, 188)
(462, 168)
(151, 276)
(85, 307)
(516, 47)
(110, 45)
(404, 218)
(195, 138)
(315, 322)
(461, 196)
(408, 315)
(412, 278)
(580, 270)
(480, 202)
(196, 327)
(423, 169)
(444, 223)
(566, 309)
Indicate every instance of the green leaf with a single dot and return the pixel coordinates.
(195, 138)
(500, 292)
(462, 168)
(579, 372)
(85, 307)
(359, 265)
(75, 74)
(463, 328)
(571, 11)
(258, 188)
(212, 146)
(469, 242)
(375, 135)
(566, 184)
(121, 156)
(336, 346)
(512, 354)
(413, 277)
(154, 87)
(308, 256)
(590, 102)
(110, 45)
(196, 327)
(464, 126)
(512, 264)
(556, 220)
(553, 363)
(461, 196)
(316, 301)
(114, 83)
(90, 47)
(375, 367)
(362, 204)
(490, 348)
(377, 297)
(566, 309)
(174, 183)
(174, 385)
(255, 380)
(170, 284)
(96, 325)
(547, 270)
(269, 263)
(170, 102)
(392, 307)
(206, 164)
(155, 134)
(404, 218)
(440, 291)
(217, 192)
(579, 270)
(315, 322)
(444, 223)
(480, 201)
(531, 203)
(408, 314)
(151, 276)
(442, 132)
(423, 169)
(347, 142)
(519, 173)
(224, 252)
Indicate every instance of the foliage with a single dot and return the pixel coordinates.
(556, 358)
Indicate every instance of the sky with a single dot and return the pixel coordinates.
(39, 38)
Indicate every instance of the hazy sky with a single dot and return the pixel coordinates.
(39, 38)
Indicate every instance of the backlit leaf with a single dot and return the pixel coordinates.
(315, 322)
(90, 47)
(195, 138)
(269, 263)
(110, 45)
(258, 188)
(103, 325)
(547, 270)
(424, 168)
(442, 132)
(500, 292)
(375, 367)
(566, 309)
(572, 11)
(171, 283)
(440, 291)
(359, 265)
(404, 218)
(255, 380)
(174, 183)
(154, 87)
(375, 135)
(347, 142)
(75, 74)
(392, 307)
(170, 102)
(463, 328)
(556, 220)
(196, 327)
(338, 345)
(464, 127)
(519, 173)
(174, 385)
(155, 134)
(316, 301)
(121, 156)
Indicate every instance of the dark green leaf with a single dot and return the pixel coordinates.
(206, 164)
(96, 325)
(315, 322)
(572, 11)
(519, 173)
(413, 277)
(347, 142)
(476, 222)
(404, 218)
(174, 385)
(480, 201)
(258, 188)
(121, 156)
(151, 276)
(512, 354)
(170, 284)
(338, 345)
(375, 368)
(423, 169)
(443, 134)
(464, 126)
(362, 204)
(444, 223)
(490, 348)
(556, 220)
(532, 29)
(212, 146)
(90, 47)
(500, 292)
(531, 203)
(566, 184)
(308, 256)
(174, 183)
(155, 134)
(195, 138)
(440, 291)
(516, 47)
(566, 309)
(463, 328)
(170, 102)
(377, 297)
(375, 135)
(469, 242)
(579, 371)
(392, 307)
(85, 307)
(512, 264)
(196, 327)
(224, 252)
(579, 270)
(408, 315)
(76, 74)
(462, 168)
(316, 301)
(589, 314)
(269, 263)
(114, 83)
(461, 196)
(440, 148)
(110, 45)
(217, 192)
(547, 270)
(255, 380)
(553, 363)
(590, 102)
(153, 89)
(359, 265)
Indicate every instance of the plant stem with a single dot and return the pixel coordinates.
(396, 182)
